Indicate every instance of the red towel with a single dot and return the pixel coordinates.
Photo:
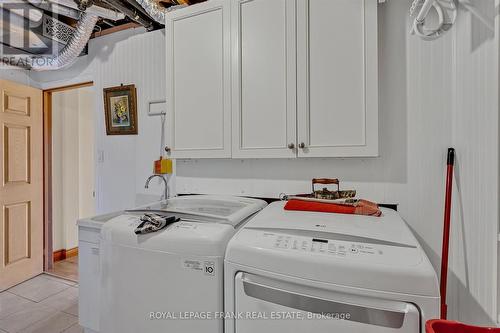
(362, 207)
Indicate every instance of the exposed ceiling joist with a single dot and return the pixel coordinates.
(100, 11)
(58, 30)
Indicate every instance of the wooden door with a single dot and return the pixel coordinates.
(264, 78)
(337, 78)
(198, 80)
(21, 183)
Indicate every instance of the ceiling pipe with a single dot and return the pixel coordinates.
(156, 11)
(71, 50)
(68, 54)
(134, 4)
(108, 22)
(55, 8)
(94, 9)
(130, 13)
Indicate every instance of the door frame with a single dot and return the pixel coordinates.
(48, 249)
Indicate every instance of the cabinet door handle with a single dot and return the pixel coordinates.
(167, 149)
(291, 145)
(302, 145)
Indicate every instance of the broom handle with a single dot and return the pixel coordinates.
(446, 232)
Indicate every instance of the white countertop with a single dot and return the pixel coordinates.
(96, 222)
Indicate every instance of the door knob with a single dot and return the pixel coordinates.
(291, 145)
(302, 145)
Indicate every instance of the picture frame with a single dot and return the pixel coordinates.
(120, 109)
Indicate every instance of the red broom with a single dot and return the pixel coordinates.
(446, 231)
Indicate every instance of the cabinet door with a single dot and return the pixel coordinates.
(89, 285)
(264, 78)
(198, 80)
(337, 78)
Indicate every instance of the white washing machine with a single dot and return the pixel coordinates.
(166, 280)
(290, 271)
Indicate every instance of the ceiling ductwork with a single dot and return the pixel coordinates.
(157, 12)
(73, 48)
(95, 9)
(55, 8)
(61, 29)
(153, 10)
(56, 45)
(134, 14)
(148, 13)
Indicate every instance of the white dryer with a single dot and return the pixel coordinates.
(295, 272)
(166, 281)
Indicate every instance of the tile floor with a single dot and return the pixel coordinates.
(67, 269)
(44, 304)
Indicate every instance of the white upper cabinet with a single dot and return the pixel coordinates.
(199, 81)
(337, 78)
(263, 78)
(273, 78)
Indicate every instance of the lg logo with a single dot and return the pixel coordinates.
(209, 268)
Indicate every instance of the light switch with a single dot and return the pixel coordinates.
(100, 156)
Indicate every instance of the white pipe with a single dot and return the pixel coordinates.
(155, 11)
(56, 8)
(72, 50)
(95, 10)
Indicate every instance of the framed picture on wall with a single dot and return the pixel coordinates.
(120, 108)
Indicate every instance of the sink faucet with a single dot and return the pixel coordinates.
(165, 194)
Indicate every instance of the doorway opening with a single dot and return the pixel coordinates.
(69, 173)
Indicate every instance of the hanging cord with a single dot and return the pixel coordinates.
(162, 135)
(162, 144)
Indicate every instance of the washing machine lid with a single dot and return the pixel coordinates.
(186, 238)
(206, 226)
(231, 210)
(378, 253)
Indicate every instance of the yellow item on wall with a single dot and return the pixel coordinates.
(163, 166)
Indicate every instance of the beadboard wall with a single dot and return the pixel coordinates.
(453, 100)
(123, 162)
(432, 95)
(475, 124)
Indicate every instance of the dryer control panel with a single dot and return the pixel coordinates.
(323, 246)
(329, 244)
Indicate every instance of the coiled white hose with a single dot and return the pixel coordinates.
(446, 14)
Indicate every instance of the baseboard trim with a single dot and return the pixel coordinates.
(65, 254)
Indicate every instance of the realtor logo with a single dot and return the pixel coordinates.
(22, 30)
